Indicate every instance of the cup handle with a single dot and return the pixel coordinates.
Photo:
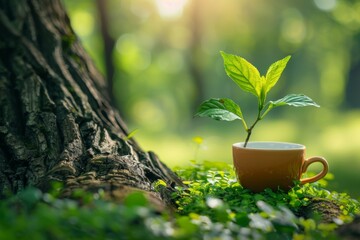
(320, 175)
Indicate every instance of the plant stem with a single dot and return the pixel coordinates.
(247, 138)
(249, 131)
(270, 106)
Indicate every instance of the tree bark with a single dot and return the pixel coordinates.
(108, 43)
(56, 120)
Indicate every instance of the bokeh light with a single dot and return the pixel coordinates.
(170, 8)
(325, 5)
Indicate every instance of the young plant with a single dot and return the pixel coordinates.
(248, 78)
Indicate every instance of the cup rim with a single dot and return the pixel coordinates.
(270, 145)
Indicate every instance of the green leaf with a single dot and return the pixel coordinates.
(223, 109)
(274, 73)
(243, 73)
(296, 100)
(131, 134)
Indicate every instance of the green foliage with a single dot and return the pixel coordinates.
(213, 193)
(243, 73)
(295, 100)
(131, 135)
(35, 215)
(223, 109)
(248, 78)
(212, 206)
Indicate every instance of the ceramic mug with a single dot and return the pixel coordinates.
(273, 165)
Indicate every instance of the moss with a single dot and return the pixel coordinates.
(67, 41)
(327, 210)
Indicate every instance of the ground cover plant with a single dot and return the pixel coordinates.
(212, 206)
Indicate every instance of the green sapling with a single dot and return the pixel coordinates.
(248, 78)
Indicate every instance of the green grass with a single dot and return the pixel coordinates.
(212, 206)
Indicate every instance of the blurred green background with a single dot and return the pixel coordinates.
(163, 59)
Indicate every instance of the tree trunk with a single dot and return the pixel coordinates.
(194, 61)
(108, 43)
(56, 121)
(353, 84)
